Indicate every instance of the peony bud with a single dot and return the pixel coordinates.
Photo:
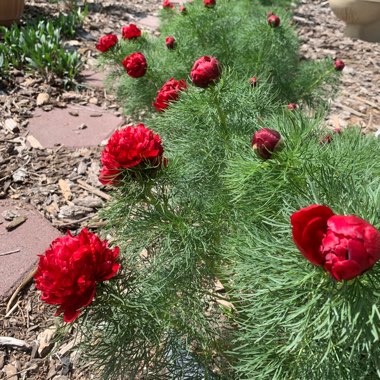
(265, 141)
(135, 65)
(293, 106)
(169, 92)
(170, 42)
(339, 65)
(209, 3)
(130, 32)
(106, 42)
(328, 138)
(345, 246)
(274, 21)
(167, 5)
(253, 81)
(206, 70)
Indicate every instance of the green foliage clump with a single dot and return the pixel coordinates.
(218, 211)
(39, 46)
(295, 321)
(239, 36)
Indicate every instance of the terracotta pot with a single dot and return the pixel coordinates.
(11, 11)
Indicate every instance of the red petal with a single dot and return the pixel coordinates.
(345, 270)
(300, 220)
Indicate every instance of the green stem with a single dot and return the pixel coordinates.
(150, 198)
(317, 82)
(221, 114)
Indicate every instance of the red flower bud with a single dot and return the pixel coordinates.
(292, 106)
(326, 140)
(170, 42)
(130, 32)
(70, 269)
(135, 65)
(339, 65)
(345, 246)
(253, 81)
(206, 70)
(265, 141)
(169, 92)
(106, 42)
(274, 21)
(128, 148)
(209, 3)
(183, 9)
(167, 4)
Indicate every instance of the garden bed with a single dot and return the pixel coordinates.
(322, 36)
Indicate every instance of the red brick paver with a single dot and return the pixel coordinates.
(93, 79)
(149, 22)
(26, 242)
(74, 126)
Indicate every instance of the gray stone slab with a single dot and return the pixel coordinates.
(90, 127)
(28, 240)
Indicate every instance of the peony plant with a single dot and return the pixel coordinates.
(247, 242)
(269, 43)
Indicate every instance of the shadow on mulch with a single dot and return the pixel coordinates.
(115, 10)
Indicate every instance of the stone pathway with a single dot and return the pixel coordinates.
(78, 126)
(19, 246)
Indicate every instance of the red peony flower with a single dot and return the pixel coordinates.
(169, 92)
(209, 3)
(70, 269)
(183, 9)
(128, 148)
(167, 4)
(130, 32)
(339, 65)
(253, 81)
(106, 42)
(170, 42)
(293, 106)
(135, 65)
(206, 70)
(274, 21)
(265, 141)
(345, 246)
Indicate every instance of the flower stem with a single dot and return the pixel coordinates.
(221, 114)
(317, 82)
